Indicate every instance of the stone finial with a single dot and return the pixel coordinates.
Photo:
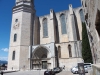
(70, 9)
(51, 13)
(17, 0)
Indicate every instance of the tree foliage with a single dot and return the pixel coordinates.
(86, 51)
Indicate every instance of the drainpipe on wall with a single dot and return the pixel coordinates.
(30, 56)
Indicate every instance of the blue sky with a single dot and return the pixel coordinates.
(42, 8)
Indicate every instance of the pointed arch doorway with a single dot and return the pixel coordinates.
(40, 58)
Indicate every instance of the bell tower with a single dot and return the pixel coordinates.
(21, 35)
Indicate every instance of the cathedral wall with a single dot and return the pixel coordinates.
(26, 36)
(15, 46)
(26, 29)
(24, 62)
(56, 32)
(45, 40)
(15, 30)
(36, 31)
(62, 37)
(50, 47)
(69, 36)
(64, 50)
(25, 40)
(14, 64)
(68, 63)
(69, 25)
(75, 49)
(22, 27)
(79, 22)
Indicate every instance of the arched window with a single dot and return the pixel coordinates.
(63, 24)
(82, 15)
(15, 37)
(13, 55)
(70, 52)
(45, 28)
(59, 51)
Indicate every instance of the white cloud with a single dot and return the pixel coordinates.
(4, 58)
(5, 49)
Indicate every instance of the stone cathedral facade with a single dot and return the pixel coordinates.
(45, 42)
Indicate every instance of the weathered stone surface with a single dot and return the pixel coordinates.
(32, 49)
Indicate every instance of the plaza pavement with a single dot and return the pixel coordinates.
(38, 72)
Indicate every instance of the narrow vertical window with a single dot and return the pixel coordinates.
(63, 24)
(45, 28)
(82, 15)
(13, 55)
(70, 52)
(16, 20)
(59, 51)
(15, 37)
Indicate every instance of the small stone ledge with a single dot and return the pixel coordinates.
(96, 69)
(9, 71)
(97, 66)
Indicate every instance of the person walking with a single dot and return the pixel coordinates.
(1, 72)
(47, 72)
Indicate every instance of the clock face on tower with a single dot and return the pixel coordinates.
(16, 24)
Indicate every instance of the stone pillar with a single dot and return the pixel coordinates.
(52, 25)
(72, 22)
(53, 62)
(76, 49)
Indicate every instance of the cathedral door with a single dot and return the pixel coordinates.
(44, 64)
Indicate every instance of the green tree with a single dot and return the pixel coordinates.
(86, 51)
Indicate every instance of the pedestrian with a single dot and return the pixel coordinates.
(1, 72)
(64, 67)
(51, 72)
(12, 68)
(47, 72)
